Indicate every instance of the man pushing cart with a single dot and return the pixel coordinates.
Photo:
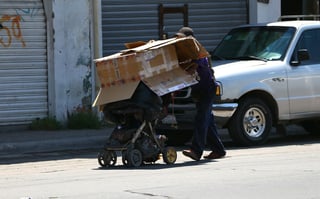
(132, 83)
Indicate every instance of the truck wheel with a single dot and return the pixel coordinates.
(251, 123)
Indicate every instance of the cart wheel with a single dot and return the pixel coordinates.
(124, 158)
(169, 155)
(134, 158)
(107, 158)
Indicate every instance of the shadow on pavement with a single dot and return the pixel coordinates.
(156, 165)
(300, 139)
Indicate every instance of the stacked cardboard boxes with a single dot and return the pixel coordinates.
(162, 65)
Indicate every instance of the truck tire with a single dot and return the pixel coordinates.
(251, 123)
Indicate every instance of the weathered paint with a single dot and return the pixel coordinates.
(72, 55)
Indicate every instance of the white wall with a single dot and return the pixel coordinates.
(264, 12)
(269, 12)
(72, 60)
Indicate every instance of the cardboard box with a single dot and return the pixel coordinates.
(161, 65)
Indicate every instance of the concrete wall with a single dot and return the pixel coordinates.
(72, 52)
(264, 12)
(269, 12)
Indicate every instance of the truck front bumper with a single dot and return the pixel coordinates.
(223, 112)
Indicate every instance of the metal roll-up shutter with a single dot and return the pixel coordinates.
(23, 62)
(128, 21)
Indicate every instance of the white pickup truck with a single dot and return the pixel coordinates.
(269, 76)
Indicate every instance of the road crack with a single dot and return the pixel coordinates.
(147, 194)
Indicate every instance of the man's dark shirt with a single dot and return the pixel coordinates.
(206, 86)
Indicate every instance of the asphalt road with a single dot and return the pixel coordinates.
(283, 168)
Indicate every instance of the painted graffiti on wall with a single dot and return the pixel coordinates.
(10, 24)
(31, 12)
(10, 29)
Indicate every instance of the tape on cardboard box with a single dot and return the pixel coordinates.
(169, 81)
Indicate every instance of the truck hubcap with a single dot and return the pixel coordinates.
(254, 122)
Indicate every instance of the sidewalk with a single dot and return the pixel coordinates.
(26, 141)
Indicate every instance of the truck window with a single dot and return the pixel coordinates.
(267, 43)
(310, 41)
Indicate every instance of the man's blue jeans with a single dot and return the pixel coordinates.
(205, 132)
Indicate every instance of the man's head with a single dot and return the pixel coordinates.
(185, 31)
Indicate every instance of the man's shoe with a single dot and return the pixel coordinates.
(214, 155)
(191, 154)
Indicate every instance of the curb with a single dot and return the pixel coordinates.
(49, 141)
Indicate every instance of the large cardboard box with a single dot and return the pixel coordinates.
(161, 65)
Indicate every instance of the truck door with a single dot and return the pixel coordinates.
(304, 77)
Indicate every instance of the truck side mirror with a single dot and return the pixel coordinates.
(302, 55)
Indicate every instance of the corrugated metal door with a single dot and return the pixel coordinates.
(128, 21)
(23, 62)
